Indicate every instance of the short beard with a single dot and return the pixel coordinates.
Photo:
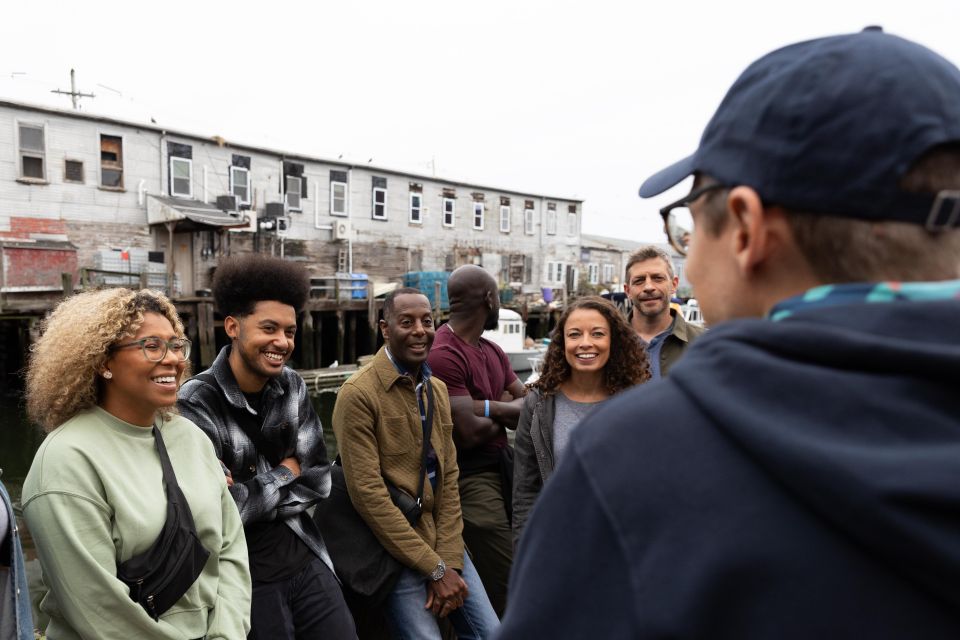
(639, 309)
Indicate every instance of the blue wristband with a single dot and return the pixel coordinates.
(486, 408)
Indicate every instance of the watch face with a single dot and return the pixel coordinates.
(439, 571)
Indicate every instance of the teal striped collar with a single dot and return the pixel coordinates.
(829, 295)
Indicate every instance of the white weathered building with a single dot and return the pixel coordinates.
(74, 186)
(604, 262)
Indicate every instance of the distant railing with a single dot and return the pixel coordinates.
(143, 279)
(343, 287)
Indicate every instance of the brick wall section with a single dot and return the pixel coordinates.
(34, 266)
(26, 227)
(90, 237)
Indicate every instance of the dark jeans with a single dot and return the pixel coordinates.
(307, 606)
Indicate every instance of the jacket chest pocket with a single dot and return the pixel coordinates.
(395, 435)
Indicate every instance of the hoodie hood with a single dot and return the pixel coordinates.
(855, 411)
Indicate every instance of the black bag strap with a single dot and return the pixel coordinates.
(175, 497)
(427, 431)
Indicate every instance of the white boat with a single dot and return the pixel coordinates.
(510, 335)
(691, 313)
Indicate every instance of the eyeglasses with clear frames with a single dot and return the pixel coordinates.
(155, 349)
(678, 221)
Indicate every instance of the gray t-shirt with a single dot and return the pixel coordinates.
(567, 415)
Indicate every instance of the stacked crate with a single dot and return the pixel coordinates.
(426, 281)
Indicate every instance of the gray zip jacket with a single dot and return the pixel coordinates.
(533, 455)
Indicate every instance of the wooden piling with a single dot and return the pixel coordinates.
(205, 333)
(341, 331)
(306, 346)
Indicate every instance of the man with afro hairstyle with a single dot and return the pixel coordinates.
(258, 414)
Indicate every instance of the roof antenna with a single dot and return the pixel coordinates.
(73, 93)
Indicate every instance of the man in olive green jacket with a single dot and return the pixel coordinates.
(650, 283)
(378, 421)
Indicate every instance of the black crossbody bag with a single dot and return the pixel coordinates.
(160, 576)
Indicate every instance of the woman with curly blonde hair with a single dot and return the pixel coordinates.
(593, 354)
(102, 381)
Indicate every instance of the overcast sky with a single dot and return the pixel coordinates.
(571, 99)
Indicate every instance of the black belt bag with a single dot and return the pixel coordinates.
(160, 576)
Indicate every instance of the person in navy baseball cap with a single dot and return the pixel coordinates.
(797, 474)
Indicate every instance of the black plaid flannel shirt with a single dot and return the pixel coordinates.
(289, 424)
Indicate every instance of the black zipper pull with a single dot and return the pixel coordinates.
(153, 610)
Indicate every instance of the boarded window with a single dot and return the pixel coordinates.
(179, 150)
(73, 171)
(111, 162)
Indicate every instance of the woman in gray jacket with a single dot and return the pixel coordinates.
(593, 354)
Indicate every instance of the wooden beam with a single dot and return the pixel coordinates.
(318, 340)
(352, 344)
(66, 280)
(306, 349)
(208, 344)
(341, 330)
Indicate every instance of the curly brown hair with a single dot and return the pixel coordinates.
(63, 371)
(627, 366)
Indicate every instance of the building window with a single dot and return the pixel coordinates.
(379, 198)
(607, 273)
(504, 219)
(33, 164)
(73, 171)
(551, 220)
(555, 272)
(181, 169)
(338, 198)
(571, 224)
(294, 185)
(478, 216)
(111, 162)
(528, 221)
(240, 184)
(449, 209)
(416, 208)
(294, 194)
(593, 273)
(181, 177)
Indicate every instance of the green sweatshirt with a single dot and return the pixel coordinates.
(94, 498)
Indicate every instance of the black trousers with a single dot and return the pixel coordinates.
(306, 606)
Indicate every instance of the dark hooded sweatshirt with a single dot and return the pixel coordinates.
(792, 479)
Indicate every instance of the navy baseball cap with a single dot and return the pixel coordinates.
(830, 126)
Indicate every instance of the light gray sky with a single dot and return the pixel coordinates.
(577, 99)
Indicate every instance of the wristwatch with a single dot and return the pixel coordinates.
(439, 572)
